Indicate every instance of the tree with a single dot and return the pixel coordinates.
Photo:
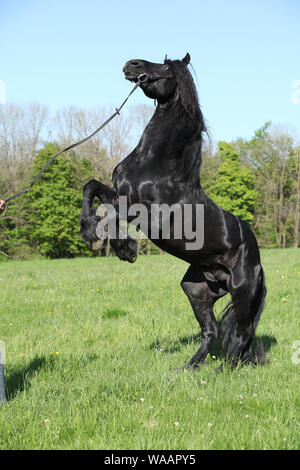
(233, 185)
(20, 132)
(273, 159)
(294, 166)
(106, 149)
(20, 137)
(54, 204)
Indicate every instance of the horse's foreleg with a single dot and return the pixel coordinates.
(126, 249)
(88, 218)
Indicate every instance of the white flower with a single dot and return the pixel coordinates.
(239, 396)
(176, 423)
(209, 424)
(142, 399)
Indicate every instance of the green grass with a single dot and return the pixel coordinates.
(92, 351)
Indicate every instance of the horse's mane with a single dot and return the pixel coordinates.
(190, 102)
(188, 92)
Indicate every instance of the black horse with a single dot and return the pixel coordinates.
(165, 168)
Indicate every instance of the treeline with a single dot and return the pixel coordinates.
(259, 180)
(256, 179)
(45, 221)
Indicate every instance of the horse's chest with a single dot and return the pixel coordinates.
(136, 185)
(138, 192)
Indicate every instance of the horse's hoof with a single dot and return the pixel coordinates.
(97, 245)
(189, 366)
(229, 365)
(126, 249)
(88, 226)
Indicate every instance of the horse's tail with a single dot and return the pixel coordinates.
(228, 322)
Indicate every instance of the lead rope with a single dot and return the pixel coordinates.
(3, 204)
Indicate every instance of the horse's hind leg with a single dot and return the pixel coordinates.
(202, 295)
(247, 289)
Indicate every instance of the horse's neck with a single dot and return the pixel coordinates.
(171, 140)
(164, 135)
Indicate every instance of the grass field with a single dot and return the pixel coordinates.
(92, 350)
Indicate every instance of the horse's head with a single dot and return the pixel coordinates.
(158, 81)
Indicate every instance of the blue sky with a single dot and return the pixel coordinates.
(245, 54)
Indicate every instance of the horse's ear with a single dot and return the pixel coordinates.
(186, 59)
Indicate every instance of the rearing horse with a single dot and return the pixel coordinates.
(165, 168)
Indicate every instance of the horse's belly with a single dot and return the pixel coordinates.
(178, 248)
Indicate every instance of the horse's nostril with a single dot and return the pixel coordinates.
(135, 63)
